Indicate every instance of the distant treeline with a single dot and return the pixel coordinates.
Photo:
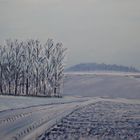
(31, 68)
(101, 67)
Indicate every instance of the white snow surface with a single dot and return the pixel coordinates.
(103, 84)
(14, 102)
(28, 117)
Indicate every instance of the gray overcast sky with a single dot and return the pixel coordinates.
(93, 30)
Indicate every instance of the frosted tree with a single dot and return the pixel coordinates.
(58, 57)
(30, 68)
(9, 65)
(2, 64)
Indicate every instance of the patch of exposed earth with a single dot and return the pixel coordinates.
(103, 120)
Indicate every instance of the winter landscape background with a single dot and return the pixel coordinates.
(99, 97)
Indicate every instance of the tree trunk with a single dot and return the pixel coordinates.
(9, 87)
(1, 89)
(16, 84)
(23, 83)
(55, 91)
(37, 80)
(27, 86)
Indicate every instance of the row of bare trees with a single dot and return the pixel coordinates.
(30, 68)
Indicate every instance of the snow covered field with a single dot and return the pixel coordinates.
(78, 85)
(103, 84)
(99, 121)
(31, 122)
(26, 118)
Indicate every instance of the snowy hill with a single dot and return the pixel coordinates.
(101, 67)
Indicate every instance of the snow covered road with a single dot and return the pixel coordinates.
(17, 124)
(27, 123)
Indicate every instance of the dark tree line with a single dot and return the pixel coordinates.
(101, 67)
(30, 68)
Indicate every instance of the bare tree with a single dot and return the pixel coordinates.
(30, 68)
(2, 64)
